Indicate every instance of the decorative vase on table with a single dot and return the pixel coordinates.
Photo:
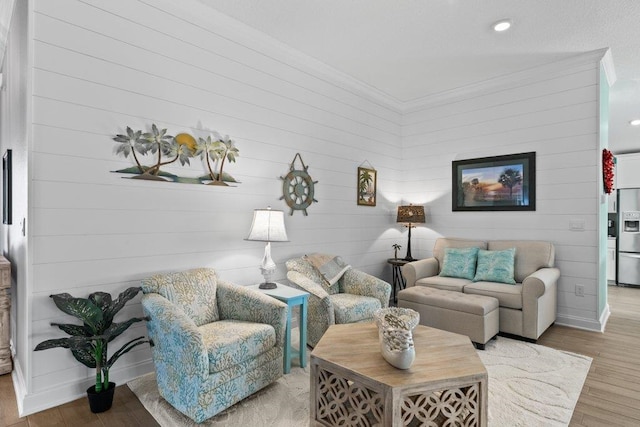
(395, 330)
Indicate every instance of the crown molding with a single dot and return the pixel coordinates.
(199, 12)
(227, 27)
(519, 77)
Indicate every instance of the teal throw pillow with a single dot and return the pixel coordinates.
(459, 262)
(496, 266)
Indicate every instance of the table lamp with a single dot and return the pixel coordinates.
(409, 215)
(268, 226)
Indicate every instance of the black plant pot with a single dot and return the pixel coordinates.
(100, 402)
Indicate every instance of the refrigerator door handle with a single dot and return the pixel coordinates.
(628, 255)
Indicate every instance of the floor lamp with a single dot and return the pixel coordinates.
(268, 226)
(409, 215)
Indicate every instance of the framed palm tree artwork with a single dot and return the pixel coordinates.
(499, 183)
(367, 181)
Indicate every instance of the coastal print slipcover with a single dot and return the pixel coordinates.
(204, 368)
(355, 298)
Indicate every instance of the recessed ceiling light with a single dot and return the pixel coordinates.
(635, 122)
(502, 25)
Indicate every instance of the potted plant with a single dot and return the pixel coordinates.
(396, 248)
(88, 342)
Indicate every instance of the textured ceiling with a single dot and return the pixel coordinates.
(410, 49)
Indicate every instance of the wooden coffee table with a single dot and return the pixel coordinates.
(351, 384)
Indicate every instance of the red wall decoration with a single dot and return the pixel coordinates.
(608, 164)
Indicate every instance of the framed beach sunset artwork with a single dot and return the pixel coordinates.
(499, 183)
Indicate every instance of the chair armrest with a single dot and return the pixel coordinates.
(415, 270)
(306, 284)
(536, 284)
(178, 349)
(320, 308)
(239, 303)
(358, 282)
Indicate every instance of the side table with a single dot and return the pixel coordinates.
(292, 297)
(5, 306)
(398, 281)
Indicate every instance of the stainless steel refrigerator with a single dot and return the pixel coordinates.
(629, 236)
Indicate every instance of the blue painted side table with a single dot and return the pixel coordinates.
(292, 297)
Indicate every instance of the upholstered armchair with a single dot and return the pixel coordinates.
(351, 298)
(214, 343)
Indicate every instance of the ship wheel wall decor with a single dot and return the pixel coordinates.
(297, 187)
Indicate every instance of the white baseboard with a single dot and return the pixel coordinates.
(586, 324)
(35, 402)
(19, 384)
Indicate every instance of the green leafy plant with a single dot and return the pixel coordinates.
(88, 342)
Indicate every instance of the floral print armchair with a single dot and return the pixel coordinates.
(214, 342)
(353, 298)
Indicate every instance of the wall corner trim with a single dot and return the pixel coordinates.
(609, 68)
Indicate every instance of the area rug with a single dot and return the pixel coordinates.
(529, 385)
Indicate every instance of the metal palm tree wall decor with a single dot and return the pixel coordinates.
(298, 187)
(166, 149)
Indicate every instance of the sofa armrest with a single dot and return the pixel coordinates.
(358, 282)
(415, 270)
(535, 285)
(539, 301)
(239, 303)
(178, 349)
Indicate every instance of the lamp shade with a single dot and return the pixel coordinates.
(411, 214)
(268, 226)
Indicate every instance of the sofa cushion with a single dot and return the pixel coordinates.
(531, 255)
(444, 283)
(194, 291)
(509, 296)
(446, 242)
(230, 342)
(349, 308)
(495, 266)
(459, 262)
(454, 301)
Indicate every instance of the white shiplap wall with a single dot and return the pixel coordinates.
(14, 136)
(554, 114)
(101, 66)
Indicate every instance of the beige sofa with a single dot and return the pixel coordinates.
(527, 308)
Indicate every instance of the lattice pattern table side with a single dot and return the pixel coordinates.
(5, 307)
(459, 406)
(344, 402)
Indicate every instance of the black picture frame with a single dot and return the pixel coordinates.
(6, 187)
(498, 183)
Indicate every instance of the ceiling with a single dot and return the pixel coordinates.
(411, 49)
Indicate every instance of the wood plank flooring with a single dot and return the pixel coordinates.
(610, 396)
(611, 393)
